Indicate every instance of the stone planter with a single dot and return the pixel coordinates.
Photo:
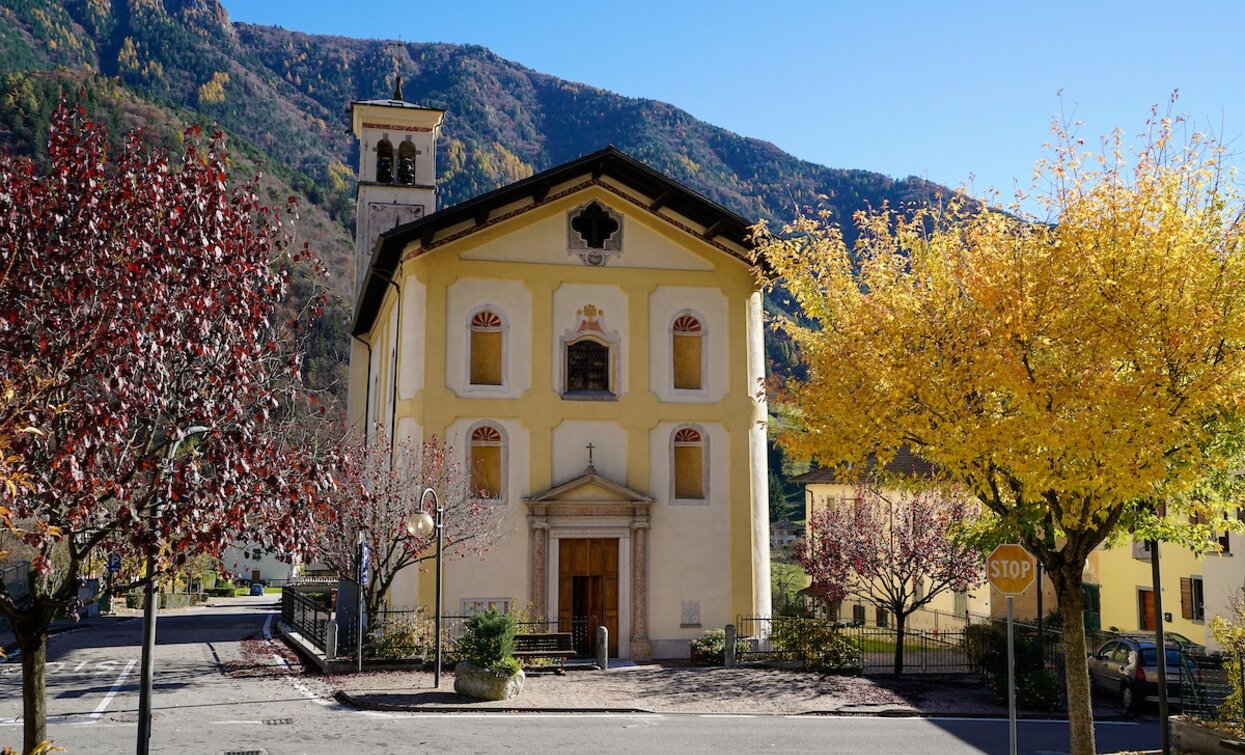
(1190, 736)
(485, 684)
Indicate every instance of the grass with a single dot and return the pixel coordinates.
(875, 645)
(270, 590)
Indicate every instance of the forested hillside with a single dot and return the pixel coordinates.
(282, 96)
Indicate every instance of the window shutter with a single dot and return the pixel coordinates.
(1186, 598)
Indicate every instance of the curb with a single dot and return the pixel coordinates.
(347, 698)
(353, 700)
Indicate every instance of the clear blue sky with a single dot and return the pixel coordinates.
(943, 90)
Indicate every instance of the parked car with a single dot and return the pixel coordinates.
(1170, 638)
(1128, 666)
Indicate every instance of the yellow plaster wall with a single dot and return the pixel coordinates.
(711, 545)
(1121, 576)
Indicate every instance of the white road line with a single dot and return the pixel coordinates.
(305, 690)
(112, 692)
(959, 719)
(231, 723)
(726, 715)
(307, 693)
(532, 717)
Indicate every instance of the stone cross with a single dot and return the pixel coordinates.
(590, 449)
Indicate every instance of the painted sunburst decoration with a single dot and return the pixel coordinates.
(687, 324)
(486, 320)
(687, 435)
(485, 434)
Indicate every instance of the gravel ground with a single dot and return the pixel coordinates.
(683, 689)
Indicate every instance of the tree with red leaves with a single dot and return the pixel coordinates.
(380, 492)
(156, 379)
(892, 550)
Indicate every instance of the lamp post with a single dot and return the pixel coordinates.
(149, 617)
(424, 524)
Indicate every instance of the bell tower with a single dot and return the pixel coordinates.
(397, 168)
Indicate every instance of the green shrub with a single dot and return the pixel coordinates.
(407, 638)
(1036, 688)
(134, 599)
(711, 647)
(816, 642)
(489, 642)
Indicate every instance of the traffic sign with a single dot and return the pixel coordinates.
(1010, 569)
(114, 563)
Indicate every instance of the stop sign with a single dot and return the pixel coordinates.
(1010, 569)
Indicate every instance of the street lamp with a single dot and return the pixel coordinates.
(149, 616)
(424, 524)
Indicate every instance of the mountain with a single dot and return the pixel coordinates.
(282, 96)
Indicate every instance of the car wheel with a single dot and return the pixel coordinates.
(1127, 699)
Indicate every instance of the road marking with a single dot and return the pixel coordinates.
(307, 693)
(960, 719)
(231, 723)
(533, 715)
(726, 715)
(305, 690)
(112, 692)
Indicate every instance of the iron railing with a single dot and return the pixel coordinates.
(410, 633)
(308, 615)
(1212, 687)
(827, 644)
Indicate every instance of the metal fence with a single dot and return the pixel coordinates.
(822, 643)
(308, 614)
(411, 633)
(1212, 686)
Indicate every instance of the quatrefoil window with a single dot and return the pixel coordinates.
(594, 233)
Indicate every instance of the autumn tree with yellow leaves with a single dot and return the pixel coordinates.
(1070, 370)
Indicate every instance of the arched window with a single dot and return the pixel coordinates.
(384, 162)
(587, 367)
(687, 348)
(689, 464)
(406, 163)
(487, 348)
(487, 468)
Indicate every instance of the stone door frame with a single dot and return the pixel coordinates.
(558, 513)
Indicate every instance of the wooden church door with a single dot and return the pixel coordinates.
(588, 591)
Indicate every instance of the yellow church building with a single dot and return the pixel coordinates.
(589, 339)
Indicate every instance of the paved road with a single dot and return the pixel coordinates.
(216, 693)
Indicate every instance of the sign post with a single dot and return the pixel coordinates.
(365, 563)
(1010, 569)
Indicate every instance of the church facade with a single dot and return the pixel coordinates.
(589, 339)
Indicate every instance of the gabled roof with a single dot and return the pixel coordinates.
(664, 193)
(905, 464)
(589, 477)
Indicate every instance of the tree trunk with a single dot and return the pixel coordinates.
(1076, 667)
(900, 620)
(34, 645)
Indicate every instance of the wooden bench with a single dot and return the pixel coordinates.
(552, 645)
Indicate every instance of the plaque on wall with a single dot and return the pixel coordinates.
(385, 216)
